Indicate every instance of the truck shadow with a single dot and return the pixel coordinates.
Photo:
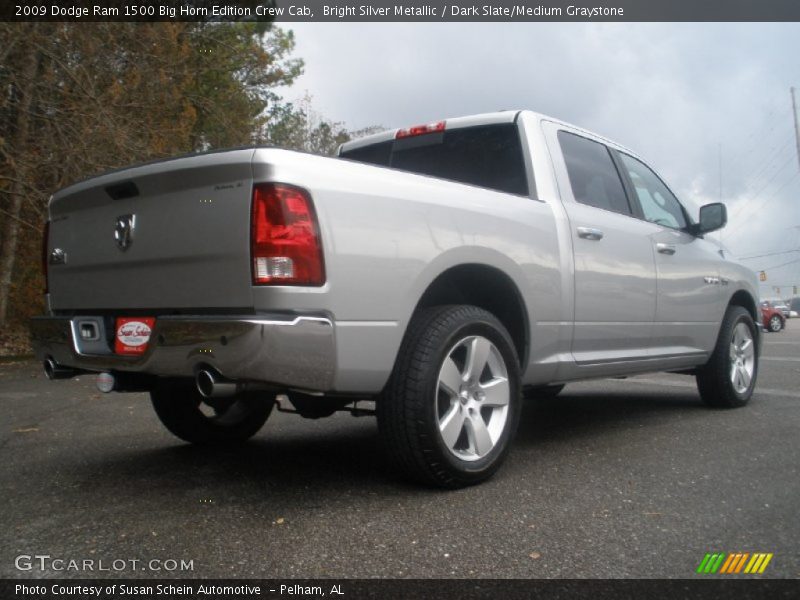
(300, 461)
(284, 463)
(577, 414)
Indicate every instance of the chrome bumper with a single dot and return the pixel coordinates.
(292, 351)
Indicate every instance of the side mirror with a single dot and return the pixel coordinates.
(712, 217)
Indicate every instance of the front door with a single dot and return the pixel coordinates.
(687, 268)
(615, 273)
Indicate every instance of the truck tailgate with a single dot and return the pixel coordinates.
(166, 236)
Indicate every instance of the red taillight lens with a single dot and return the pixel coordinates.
(285, 244)
(420, 130)
(45, 255)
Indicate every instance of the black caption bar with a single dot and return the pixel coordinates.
(356, 589)
(375, 11)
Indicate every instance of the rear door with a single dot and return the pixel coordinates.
(167, 235)
(615, 273)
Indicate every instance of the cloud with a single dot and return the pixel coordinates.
(681, 95)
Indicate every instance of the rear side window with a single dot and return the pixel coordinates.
(488, 156)
(594, 178)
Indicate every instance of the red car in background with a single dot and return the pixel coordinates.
(772, 318)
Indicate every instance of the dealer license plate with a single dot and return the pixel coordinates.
(133, 334)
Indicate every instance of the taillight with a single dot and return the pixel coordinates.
(420, 130)
(285, 243)
(45, 256)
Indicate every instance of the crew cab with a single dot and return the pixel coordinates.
(441, 271)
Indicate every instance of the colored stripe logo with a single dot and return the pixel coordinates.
(734, 563)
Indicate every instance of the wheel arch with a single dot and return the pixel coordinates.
(744, 299)
(487, 287)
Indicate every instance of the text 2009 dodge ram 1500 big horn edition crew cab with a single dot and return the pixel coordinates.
(442, 271)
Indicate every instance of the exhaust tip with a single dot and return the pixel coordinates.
(211, 384)
(205, 383)
(49, 366)
(53, 370)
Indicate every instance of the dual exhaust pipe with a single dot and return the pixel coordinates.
(53, 370)
(209, 383)
(106, 381)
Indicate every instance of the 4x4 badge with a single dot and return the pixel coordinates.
(123, 231)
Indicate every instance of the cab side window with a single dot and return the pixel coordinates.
(592, 173)
(658, 204)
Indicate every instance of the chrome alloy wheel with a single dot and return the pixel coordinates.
(472, 398)
(743, 359)
(775, 323)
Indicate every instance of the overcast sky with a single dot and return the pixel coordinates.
(671, 92)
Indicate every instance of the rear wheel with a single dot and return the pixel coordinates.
(775, 324)
(193, 418)
(729, 377)
(452, 405)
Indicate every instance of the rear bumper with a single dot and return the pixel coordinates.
(285, 350)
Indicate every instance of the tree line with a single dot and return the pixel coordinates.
(80, 98)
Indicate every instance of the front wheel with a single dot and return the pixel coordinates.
(729, 377)
(452, 404)
(193, 418)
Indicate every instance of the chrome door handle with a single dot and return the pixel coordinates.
(590, 233)
(665, 248)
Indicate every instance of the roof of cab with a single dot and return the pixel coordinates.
(504, 116)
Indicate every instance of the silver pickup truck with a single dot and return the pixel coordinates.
(443, 271)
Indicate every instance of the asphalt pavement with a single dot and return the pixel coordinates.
(613, 478)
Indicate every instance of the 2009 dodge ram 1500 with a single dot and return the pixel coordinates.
(443, 271)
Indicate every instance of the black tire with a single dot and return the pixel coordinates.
(411, 407)
(232, 420)
(715, 378)
(775, 324)
(542, 391)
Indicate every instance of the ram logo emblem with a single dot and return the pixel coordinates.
(123, 231)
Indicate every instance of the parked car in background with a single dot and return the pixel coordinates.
(772, 318)
(792, 314)
(783, 307)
